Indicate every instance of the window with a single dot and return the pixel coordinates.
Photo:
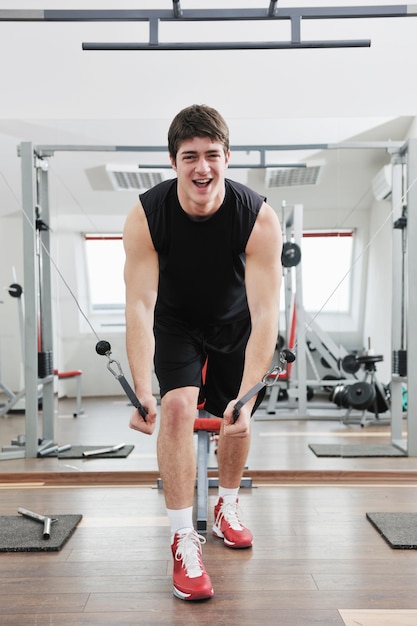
(105, 261)
(326, 264)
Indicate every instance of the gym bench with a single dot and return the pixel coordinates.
(73, 374)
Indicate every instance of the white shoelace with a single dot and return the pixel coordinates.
(189, 551)
(230, 512)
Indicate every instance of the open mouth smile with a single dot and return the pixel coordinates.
(202, 182)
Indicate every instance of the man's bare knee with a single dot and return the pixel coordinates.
(178, 407)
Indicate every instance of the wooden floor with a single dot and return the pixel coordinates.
(315, 560)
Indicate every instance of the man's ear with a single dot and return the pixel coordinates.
(227, 157)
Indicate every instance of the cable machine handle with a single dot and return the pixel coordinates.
(104, 348)
(285, 356)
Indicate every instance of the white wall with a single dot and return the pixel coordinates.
(377, 320)
(76, 337)
(74, 341)
(346, 329)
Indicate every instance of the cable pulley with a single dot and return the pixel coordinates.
(15, 290)
(104, 349)
(291, 254)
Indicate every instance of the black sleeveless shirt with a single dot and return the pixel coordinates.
(201, 263)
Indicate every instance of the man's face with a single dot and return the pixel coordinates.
(200, 166)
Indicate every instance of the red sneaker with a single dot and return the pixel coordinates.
(191, 581)
(228, 526)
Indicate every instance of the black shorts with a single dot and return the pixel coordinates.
(181, 351)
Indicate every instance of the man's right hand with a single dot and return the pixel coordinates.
(136, 420)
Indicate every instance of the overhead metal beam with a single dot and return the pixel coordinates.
(262, 150)
(49, 149)
(239, 45)
(154, 16)
(206, 15)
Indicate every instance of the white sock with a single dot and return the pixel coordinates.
(180, 519)
(228, 495)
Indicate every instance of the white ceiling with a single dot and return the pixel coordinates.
(52, 92)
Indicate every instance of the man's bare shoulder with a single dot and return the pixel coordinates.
(267, 229)
(136, 229)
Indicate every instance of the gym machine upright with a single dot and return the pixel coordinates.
(404, 297)
(403, 308)
(301, 331)
(37, 336)
(38, 324)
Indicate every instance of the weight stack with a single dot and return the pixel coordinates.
(399, 362)
(45, 364)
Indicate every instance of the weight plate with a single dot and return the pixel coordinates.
(350, 364)
(361, 395)
(339, 396)
(383, 399)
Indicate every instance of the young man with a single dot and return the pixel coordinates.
(202, 273)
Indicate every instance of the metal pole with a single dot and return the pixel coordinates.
(301, 322)
(45, 292)
(31, 327)
(397, 306)
(411, 306)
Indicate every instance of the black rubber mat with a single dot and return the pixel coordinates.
(354, 450)
(21, 534)
(398, 529)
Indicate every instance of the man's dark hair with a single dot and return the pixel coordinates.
(197, 120)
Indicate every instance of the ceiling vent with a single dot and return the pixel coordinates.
(292, 176)
(382, 183)
(125, 177)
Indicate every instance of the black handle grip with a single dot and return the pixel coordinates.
(133, 397)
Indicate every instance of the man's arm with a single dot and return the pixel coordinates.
(263, 285)
(141, 280)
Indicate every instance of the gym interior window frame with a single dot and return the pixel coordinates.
(105, 257)
(326, 263)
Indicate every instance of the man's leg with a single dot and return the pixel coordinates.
(224, 375)
(175, 446)
(231, 456)
(177, 466)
